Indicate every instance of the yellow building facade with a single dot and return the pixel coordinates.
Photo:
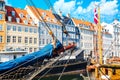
(2, 26)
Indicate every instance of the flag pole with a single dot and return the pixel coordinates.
(99, 42)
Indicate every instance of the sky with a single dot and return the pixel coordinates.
(81, 9)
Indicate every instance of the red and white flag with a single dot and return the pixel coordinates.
(95, 16)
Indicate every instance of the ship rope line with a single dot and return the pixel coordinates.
(44, 67)
(66, 64)
(104, 74)
(109, 48)
(49, 4)
(88, 63)
(5, 73)
(47, 71)
(60, 21)
(47, 28)
(51, 69)
(50, 32)
(38, 14)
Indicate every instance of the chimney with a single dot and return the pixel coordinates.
(50, 9)
(68, 15)
(60, 12)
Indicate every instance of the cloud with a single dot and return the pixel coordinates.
(65, 7)
(7, 3)
(80, 3)
(107, 8)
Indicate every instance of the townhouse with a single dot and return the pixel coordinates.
(18, 33)
(49, 18)
(116, 37)
(86, 35)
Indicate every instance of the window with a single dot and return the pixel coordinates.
(14, 28)
(14, 39)
(21, 15)
(1, 27)
(1, 39)
(26, 29)
(43, 14)
(35, 40)
(33, 23)
(25, 21)
(8, 27)
(30, 49)
(35, 30)
(19, 39)
(35, 49)
(9, 18)
(31, 30)
(18, 20)
(0, 16)
(28, 16)
(8, 39)
(40, 41)
(48, 19)
(19, 29)
(43, 42)
(55, 20)
(13, 13)
(30, 40)
(26, 39)
(2, 6)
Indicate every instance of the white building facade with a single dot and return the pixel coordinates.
(52, 23)
(116, 37)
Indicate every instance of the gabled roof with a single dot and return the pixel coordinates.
(66, 20)
(17, 13)
(78, 21)
(47, 15)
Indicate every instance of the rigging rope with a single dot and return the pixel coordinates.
(36, 11)
(48, 70)
(104, 74)
(51, 69)
(66, 64)
(38, 71)
(53, 10)
(88, 63)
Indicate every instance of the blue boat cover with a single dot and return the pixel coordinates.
(29, 59)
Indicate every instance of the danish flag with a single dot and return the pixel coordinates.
(95, 16)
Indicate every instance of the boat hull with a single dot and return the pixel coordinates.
(77, 67)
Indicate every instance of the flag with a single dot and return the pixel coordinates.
(95, 16)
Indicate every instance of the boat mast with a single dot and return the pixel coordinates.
(99, 38)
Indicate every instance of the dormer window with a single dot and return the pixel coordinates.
(1, 16)
(33, 23)
(25, 21)
(18, 20)
(48, 19)
(80, 25)
(2, 5)
(21, 15)
(28, 16)
(43, 14)
(13, 13)
(9, 18)
(54, 20)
